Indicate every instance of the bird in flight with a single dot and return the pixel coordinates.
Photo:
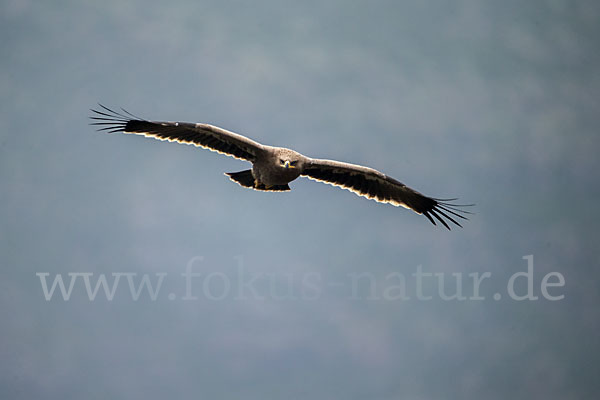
(274, 167)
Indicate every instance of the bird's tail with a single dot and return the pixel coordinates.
(246, 179)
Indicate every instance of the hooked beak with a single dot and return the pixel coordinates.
(287, 165)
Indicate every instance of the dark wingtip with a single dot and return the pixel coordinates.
(445, 209)
(109, 120)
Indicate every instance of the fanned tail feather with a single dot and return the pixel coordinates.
(246, 179)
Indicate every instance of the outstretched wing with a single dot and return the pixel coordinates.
(201, 135)
(372, 184)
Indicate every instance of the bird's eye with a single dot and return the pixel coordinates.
(293, 163)
(281, 162)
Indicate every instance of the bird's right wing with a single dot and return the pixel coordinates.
(202, 135)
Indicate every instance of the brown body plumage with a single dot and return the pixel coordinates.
(278, 166)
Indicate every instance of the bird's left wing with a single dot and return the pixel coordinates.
(202, 135)
(372, 184)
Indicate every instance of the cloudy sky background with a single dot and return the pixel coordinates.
(493, 102)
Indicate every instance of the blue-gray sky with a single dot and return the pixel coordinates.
(496, 103)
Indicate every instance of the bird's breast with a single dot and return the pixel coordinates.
(270, 174)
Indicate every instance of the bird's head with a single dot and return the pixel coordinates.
(289, 159)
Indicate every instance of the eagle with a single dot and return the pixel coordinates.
(273, 168)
